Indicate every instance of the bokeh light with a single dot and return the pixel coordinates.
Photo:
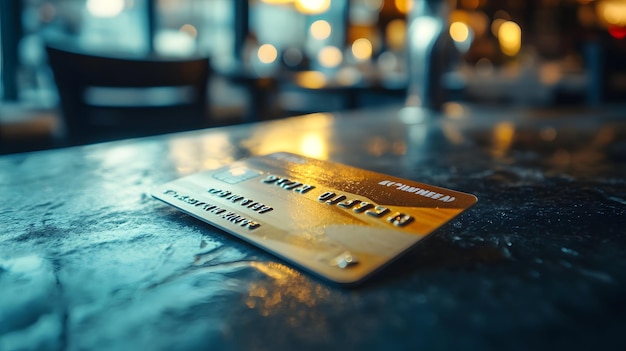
(313, 144)
(362, 49)
(320, 30)
(503, 136)
(330, 57)
(311, 79)
(510, 38)
(403, 6)
(105, 8)
(612, 12)
(396, 34)
(617, 32)
(459, 31)
(312, 7)
(267, 53)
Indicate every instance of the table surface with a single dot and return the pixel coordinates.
(89, 261)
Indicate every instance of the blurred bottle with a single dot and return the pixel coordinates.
(428, 53)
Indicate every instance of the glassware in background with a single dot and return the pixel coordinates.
(541, 52)
(427, 53)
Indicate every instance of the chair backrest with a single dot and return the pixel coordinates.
(105, 97)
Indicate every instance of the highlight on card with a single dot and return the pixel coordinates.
(338, 222)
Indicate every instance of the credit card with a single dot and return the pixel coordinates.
(335, 221)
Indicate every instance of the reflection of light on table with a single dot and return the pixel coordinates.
(289, 291)
(503, 134)
(313, 145)
(119, 156)
(310, 139)
(186, 153)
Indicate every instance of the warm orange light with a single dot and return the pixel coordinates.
(404, 6)
(362, 49)
(330, 57)
(459, 16)
(274, 270)
(320, 29)
(612, 12)
(311, 138)
(311, 79)
(504, 132)
(479, 22)
(396, 34)
(459, 32)
(510, 38)
(288, 291)
(476, 21)
(267, 53)
(495, 26)
(550, 73)
(312, 7)
(470, 4)
(313, 145)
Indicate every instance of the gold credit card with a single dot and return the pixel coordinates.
(339, 222)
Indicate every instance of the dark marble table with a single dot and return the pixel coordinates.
(89, 261)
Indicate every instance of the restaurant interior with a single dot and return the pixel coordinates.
(270, 59)
(260, 174)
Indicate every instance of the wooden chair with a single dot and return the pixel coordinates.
(106, 98)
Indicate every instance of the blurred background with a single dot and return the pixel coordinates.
(275, 58)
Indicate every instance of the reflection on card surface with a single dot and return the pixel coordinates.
(338, 222)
